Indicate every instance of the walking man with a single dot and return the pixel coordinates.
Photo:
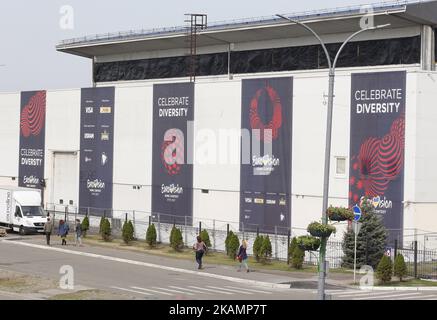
(48, 229)
(78, 239)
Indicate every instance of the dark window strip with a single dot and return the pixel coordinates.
(355, 54)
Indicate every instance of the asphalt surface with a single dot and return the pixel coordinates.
(150, 277)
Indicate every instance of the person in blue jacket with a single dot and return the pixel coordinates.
(63, 231)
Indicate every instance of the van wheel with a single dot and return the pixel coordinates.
(21, 231)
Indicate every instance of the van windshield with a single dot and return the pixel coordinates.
(34, 211)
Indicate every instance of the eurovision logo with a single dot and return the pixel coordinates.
(267, 131)
(33, 115)
(30, 180)
(378, 202)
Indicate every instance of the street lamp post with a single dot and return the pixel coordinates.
(331, 66)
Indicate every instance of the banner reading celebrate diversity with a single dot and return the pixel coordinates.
(172, 177)
(377, 144)
(32, 139)
(265, 182)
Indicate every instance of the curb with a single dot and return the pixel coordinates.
(398, 289)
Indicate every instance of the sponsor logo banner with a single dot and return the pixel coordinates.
(172, 177)
(32, 139)
(265, 183)
(377, 144)
(97, 149)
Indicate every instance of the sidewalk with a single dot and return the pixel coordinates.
(273, 278)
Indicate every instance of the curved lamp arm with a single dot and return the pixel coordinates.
(328, 57)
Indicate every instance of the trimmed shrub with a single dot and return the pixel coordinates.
(234, 244)
(257, 247)
(106, 230)
(85, 225)
(227, 241)
(128, 232)
(296, 254)
(205, 238)
(266, 250)
(102, 220)
(384, 270)
(151, 236)
(176, 240)
(400, 268)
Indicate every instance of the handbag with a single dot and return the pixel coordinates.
(239, 258)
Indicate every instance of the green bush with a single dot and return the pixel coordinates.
(384, 270)
(266, 250)
(227, 241)
(340, 214)
(257, 247)
(151, 236)
(128, 232)
(102, 221)
(106, 230)
(205, 238)
(308, 243)
(400, 268)
(176, 240)
(296, 254)
(85, 225)
(233, 245)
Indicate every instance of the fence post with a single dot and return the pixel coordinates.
(125, 218)
(88, 211)
(200, 227)
(242, 229)
(213, 234)
(276, 242)
(186, 231)
(396, 247)
(133, 221)
(288, 246)
(227, 229)
(257, 231)
(150, 219)
(66, 213)
(415, 259)
(159, 227)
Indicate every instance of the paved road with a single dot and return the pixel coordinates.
(143, 276)
(140, 275)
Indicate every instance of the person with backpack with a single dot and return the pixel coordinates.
(200, 248)
(242, 256)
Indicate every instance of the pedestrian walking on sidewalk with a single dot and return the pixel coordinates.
(63, 231)
(242, 256)
(48, 229)
(200, 248)
(78, 235)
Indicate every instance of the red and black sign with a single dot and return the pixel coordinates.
(265, 181)
(172, 176)
(32, 139)
(377, 144)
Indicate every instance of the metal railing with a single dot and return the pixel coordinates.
(304, 15)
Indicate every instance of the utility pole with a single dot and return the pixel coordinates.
(331, 65)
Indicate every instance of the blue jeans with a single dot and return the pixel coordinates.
(199, 256)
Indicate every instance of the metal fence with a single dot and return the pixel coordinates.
(419, 248)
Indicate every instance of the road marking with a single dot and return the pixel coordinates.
(134, 291)
(189, 290)
(210, 290)
(341, 292)
(403, 295)
(364, 294)
(432, 298)
(426, 297)
(146, 264)
(231, 290)
(154, 291)
(172, 290)
(252, 290)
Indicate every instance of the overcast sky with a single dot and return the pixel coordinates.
(30, 30)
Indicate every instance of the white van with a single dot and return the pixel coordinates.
(20, 210)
